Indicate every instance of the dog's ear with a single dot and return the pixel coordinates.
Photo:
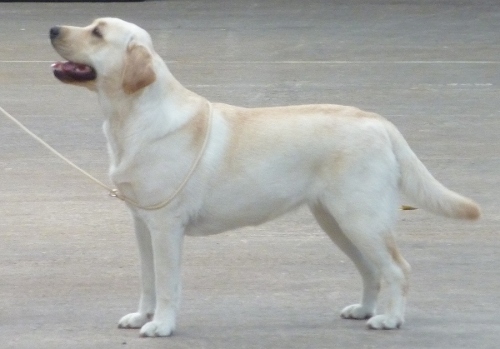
(138, 70)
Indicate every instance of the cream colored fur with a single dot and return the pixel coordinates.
(347, 165)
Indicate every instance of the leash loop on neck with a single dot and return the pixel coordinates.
(116, 193)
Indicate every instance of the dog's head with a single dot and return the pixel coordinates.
(110, 53)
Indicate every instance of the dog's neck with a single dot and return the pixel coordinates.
(155, 111)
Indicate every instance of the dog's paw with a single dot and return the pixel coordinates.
(356, 312)
(134, 320)
(157, 329)
(384, 322)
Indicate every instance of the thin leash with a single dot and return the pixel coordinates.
(112, 191)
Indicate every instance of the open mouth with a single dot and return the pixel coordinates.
(73, 72)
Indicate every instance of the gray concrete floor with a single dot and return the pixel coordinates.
(68, 261)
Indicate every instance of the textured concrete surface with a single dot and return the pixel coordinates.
(68, 261)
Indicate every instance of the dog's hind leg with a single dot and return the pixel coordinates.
(369, 273)
(366, 222)
(147, 300)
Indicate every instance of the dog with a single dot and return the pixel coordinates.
(222, 167)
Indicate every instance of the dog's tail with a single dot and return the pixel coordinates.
(421, 187)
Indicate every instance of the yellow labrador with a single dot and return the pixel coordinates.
(347, 165)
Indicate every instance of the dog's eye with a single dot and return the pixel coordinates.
(97, 33)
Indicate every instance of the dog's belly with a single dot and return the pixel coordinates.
(215, 224)
(223, 213)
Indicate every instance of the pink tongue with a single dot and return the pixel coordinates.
(72, 67)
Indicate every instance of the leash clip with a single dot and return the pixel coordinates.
(114, 194)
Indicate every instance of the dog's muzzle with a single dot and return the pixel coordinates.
(70, 71)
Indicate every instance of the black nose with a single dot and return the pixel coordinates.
(54, 32)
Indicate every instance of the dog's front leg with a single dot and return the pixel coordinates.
(166, 238)
(147, 301)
